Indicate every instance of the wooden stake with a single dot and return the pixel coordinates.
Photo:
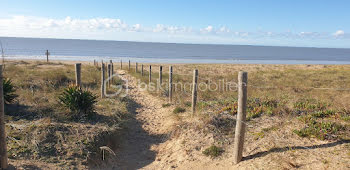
(112, 71)
(160, 75)
(3, 148)
(109, 74)
(194, 90)
(141, 69)
(121, 65)
(150, 74)
(136, 67)
(241, 116)
(78, 74)
(103, 80)
(129, 65)
(47, 55)
(171, 84)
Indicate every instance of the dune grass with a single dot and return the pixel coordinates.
(319, 91)
(39, 128)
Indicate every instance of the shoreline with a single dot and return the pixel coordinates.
(168, 61)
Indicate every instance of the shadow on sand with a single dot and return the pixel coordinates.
(135, 149)
(283, 149)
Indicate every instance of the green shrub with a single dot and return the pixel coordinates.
(309, 104)
(322, 114)
(79, 102)
(166, 105)
(9, 91)
(255, 113)
(213, 151)
(320, 130)
(179, 110)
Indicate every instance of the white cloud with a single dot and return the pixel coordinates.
(25, 22)
(116, 29)
(171, 29)
(207, 29)
(339, 33)
(224, 30)
(137, 27)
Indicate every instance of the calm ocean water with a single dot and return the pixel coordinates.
(87, 50)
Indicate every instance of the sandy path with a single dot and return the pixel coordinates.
(146, 131)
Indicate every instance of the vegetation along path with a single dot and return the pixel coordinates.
(157, 138)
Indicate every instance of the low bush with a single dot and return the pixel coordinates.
(179, 110)
(166, 105)
(323, 113)
(9, 91)
(320, 130)
(79, 102)
(213, 151)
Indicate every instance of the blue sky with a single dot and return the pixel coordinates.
(315, 23)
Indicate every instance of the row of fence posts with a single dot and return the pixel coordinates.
(241, 113)
(242, 103)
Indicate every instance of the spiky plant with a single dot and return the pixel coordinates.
(80, 102)
(9, 91)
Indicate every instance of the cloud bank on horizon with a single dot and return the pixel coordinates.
(117, 29)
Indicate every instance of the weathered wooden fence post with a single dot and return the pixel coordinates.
(103, 80)
(47, 55)
(3, 148)
(94, 62)
(78, 74)
(121, 64)
(160, 75)
(150, 74)
(136, 67)
(109, 74)
(112, 71)
(241, 116)
(194, 90)
(129, 65)
(141, 69)
(170, 84)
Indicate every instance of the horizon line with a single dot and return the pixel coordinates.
(158, 42)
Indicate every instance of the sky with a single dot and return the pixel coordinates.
(306, 23)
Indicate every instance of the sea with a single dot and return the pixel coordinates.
(150, 52)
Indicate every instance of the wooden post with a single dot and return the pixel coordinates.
(112, 70)
(109, 74)
(78, 74)
(94, 62)
(170, 84)
(121, 64)
(241, 116)
(150, 74)
(3, 148)
(47, 55)
(160, 75)
(129, 65)
(141, 69)
(136, 67)
(103, 80)
(194, 90)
